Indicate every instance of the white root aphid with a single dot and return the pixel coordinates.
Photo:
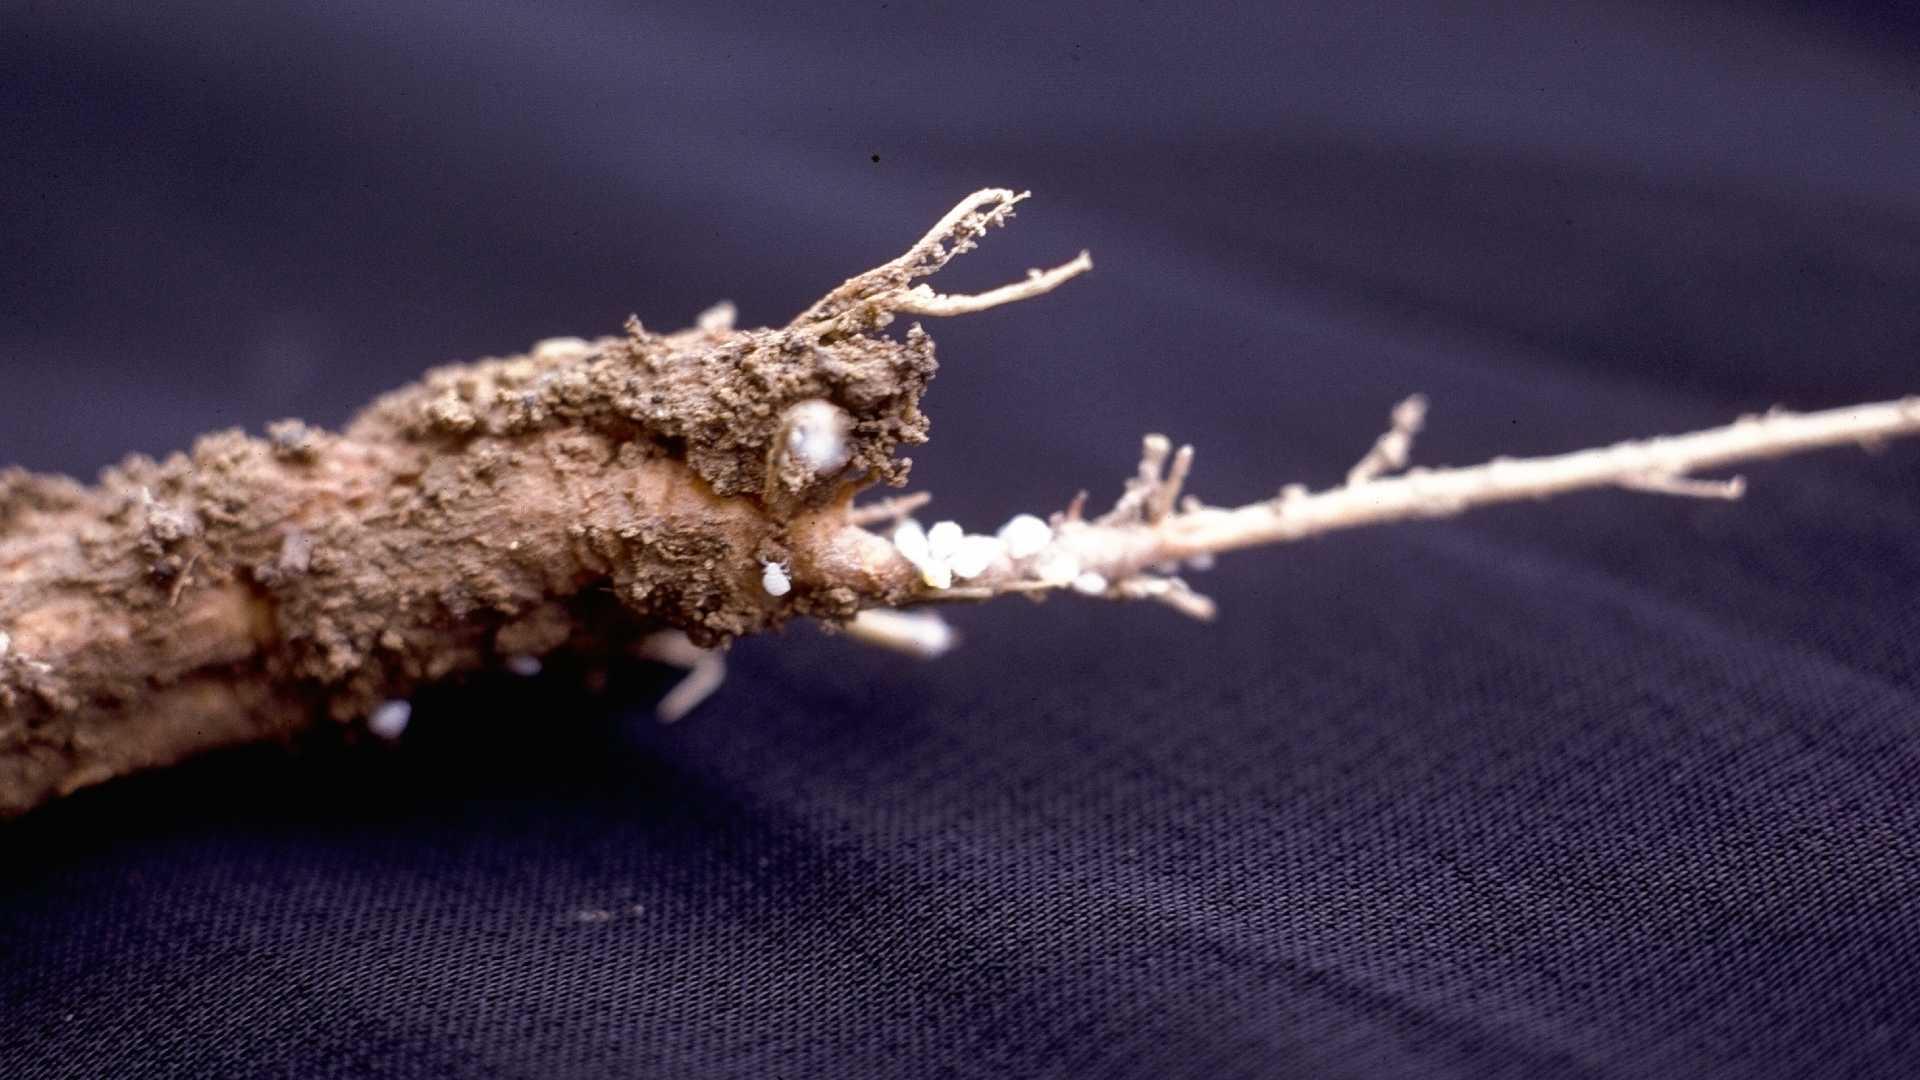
(911, 540)
(1025, 536)
(1089, 583)
(555, 349)
(916, 547)
(943, 541)
(975, 556)
(946, 552)
(774, 579)
(390, 720)
(817, 436)
(719, 318)
(1056, 568)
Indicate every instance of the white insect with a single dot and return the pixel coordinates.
(390, 720)
(1025, 536)
(975, 556)
(817, 436)
(943, 541)
(561, 348)
(719, 318)
(911, 539)
(916, 547)
(774, 579)
(1090, 583)
(1057, 567)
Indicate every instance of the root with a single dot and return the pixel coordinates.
(1133, 551)
(706, 672)
(870, 300)
(1393, 450)
(923, 635)
(921, 300)
(665, 492)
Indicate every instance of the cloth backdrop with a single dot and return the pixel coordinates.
(1615, 786)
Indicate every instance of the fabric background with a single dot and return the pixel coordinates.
(1616, 786)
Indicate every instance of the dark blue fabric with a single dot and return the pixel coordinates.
(1613, 787)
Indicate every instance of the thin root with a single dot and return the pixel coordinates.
(921, 300)
(921, 634)
(706, 671)
(888, 511)
(1392, 450)
(870, 300)
(1687, 487)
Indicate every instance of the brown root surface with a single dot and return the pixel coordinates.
(248, 588)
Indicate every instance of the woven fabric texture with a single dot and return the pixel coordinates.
(1616, 786)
